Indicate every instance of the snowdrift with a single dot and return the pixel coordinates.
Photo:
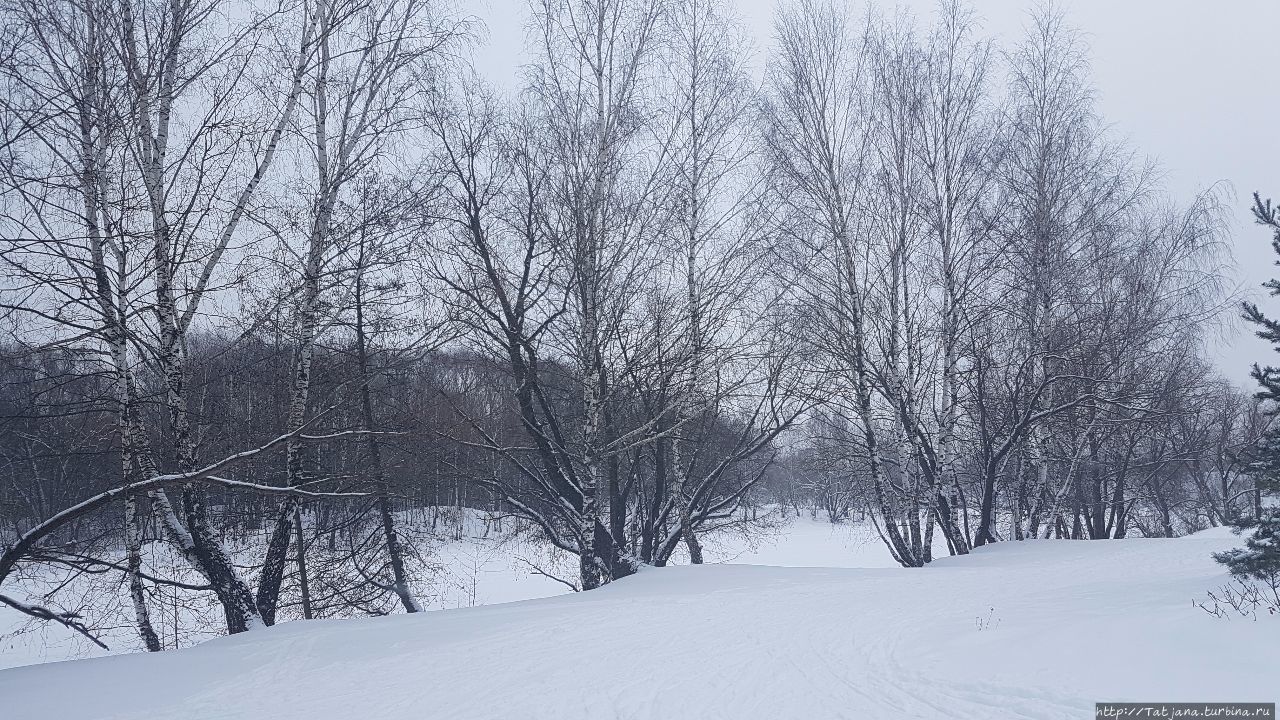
(1038, 629)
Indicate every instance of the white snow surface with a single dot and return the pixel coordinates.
(1039, 629)
(481, 566)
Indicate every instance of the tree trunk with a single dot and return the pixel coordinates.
(133, 546)
(987, 511)
(395, 552)
(300, 555)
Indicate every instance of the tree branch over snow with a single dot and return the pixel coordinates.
(208, 474)
(66, 619)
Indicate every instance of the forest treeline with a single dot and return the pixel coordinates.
(275, 274)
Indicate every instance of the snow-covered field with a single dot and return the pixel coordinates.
(1039, 629)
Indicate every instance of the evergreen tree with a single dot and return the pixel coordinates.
(1260, 558)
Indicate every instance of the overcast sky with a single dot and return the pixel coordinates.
(1191, 83)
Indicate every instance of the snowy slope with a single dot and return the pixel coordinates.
(1020, 630)
(476, 568)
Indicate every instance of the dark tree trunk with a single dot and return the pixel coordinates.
(304, 584)
(987, 511)
(395, 551)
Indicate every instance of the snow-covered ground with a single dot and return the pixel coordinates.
(481, 566)
(1038, 629)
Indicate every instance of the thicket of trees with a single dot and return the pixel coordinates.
(274, 274)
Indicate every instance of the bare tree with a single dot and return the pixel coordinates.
(371, 61)
(819, 129)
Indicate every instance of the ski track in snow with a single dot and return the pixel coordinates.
(1039, 629)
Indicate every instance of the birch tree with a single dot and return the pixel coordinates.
(719, 300)
(153, 165)
(371, 60)
(818, 133)
(75, 265)
(958, 152)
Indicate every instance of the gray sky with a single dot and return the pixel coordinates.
(1190, 83)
